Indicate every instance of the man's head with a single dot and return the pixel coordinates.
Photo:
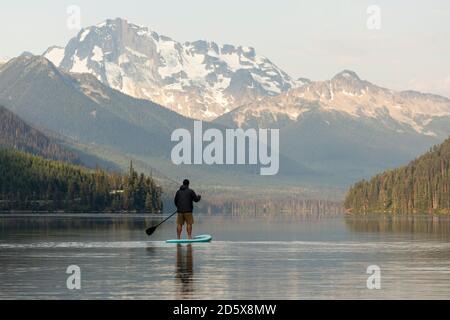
(186, 182)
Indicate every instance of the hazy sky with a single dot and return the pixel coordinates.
(313, 39)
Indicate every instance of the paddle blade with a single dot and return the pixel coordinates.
(150, 231)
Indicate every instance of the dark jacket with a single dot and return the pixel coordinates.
(184, 199)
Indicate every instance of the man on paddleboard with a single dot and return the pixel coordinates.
(184, 201)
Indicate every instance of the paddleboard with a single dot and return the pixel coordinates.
(200, 238)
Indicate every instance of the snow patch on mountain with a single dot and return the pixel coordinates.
(55, 54)
(4, 60)
(80, 65)
(97, 54)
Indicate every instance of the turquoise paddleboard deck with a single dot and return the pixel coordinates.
(201, 238)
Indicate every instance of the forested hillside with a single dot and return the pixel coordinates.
(16, 134)
(30, 182)
(420, 187)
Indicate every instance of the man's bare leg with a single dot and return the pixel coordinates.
(189, 231)
(179, 229)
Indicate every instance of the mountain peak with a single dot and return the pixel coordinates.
(38, 60)
(27, 54)
(30, 64)
(303, 81)
(121, 22)
(117, 29)
(347, 74)
(110, 22)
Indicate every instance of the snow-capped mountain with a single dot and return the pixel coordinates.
(198, 79)
(361, 100)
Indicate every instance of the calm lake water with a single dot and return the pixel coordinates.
(281, 257)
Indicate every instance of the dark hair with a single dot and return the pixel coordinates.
(186, 182)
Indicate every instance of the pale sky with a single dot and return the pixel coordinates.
(312, 39)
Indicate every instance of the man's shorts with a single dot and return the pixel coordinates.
(183, 218)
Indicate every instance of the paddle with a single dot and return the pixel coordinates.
(150, 230)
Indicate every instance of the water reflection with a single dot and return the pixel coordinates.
(68, 222)
(433, 226)
(184, 271)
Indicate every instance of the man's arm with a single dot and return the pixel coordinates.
(195, 197)
(175, 200)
